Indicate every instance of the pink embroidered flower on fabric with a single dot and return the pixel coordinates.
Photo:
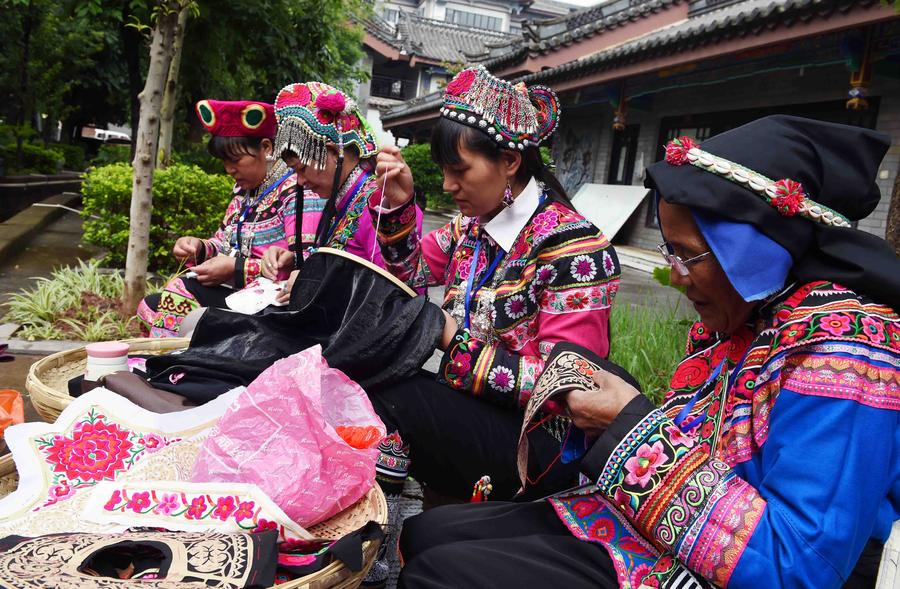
(175, 377)
(515, 307)
(61, 491)
(224, 508)
(894, 335)
(874, 329)
(197, 508)
(546, 274)
(334, 102)
(545, 222)
(793, 334)
(577, 300)
(679, 438)
(95, 452)
(677, 150)
(461, 83)
(325, 117)
(835, 323)
(583, 268)
(644, 465)
(114, 501)
(608, 265)
(623, 502)
(244, 511)
(139, 502)
(265, 524)
(789, 197)
(462, 362)
(603, 529)
(348, 122)
(152, 442)
(168, 504)
(298, 94)
(501, 378)
(699, 332)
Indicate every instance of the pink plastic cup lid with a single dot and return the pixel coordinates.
(107, 349)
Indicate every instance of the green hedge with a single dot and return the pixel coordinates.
(112, 153)
(35, 159)
(186, 201)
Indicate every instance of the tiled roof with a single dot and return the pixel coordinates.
(712, 26)
(739, 19)
(434, 40)
(549, 35)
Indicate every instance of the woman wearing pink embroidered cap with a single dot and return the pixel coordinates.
(261, 215)
(328, 143)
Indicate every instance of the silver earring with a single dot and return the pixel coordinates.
(508, 195)
(270, 157)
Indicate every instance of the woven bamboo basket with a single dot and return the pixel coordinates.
(47, 384)
(372, 507)
(48, 378)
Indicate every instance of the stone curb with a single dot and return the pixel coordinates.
(40, 347)
(22, 227)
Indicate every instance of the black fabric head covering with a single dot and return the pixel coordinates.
(368, 327)
(836, 164)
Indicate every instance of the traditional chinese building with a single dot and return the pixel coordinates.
(634, 73)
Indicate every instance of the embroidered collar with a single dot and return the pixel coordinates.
(349, 183)
(505, 227)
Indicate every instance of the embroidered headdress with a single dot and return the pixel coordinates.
(311, 115)
(513, 115)
(237, 118)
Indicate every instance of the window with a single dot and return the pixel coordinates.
(471, 19)
(392, 15)
(624, 151)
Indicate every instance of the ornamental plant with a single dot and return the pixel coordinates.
(186, 201)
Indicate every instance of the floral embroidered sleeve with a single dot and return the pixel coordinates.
(419, 261)
(567, 299)
(814, 499)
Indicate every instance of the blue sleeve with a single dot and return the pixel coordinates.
(829, 473)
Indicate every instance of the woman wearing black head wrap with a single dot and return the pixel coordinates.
(775, 459)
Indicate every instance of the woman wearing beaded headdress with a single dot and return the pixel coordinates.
(260, 216)
(521, 270)
(329, 144)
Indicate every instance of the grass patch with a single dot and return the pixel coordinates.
(75, 303)
(648, 342)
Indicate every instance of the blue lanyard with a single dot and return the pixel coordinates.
(250, 206)
(470, 292)
(686, 410)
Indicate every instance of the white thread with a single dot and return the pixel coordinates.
(378, 218)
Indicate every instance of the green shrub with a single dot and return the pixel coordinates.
(35, 159)
(195, 154)
(186, 201)
(112, 153)
(73, 156)
(648, 342)
(427, 175)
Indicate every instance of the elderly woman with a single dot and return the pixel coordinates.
(775, 458)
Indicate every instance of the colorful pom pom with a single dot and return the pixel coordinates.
(334, 103)
(677, 150)
(790, 195)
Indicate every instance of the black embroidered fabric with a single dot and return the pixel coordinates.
(368, 327)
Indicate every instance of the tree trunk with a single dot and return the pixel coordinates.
(131, 44)
(893, 219)
(144, 164)
(170, 96)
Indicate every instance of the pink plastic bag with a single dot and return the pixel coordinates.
(280, 434)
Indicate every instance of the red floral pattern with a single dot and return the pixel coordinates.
(789, 196)
(690, 374)
(461, 83)
(677, 150)
(94, 452)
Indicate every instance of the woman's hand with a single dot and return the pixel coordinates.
(450, 329)
(593, 410)
(188, 248)
(215, 271)
(285, 294)
(277, 260)
(391, 170)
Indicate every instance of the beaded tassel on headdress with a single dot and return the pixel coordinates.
(293, 137)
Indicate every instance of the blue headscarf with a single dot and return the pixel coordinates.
(755, 265)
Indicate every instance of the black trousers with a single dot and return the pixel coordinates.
(515, 545)
(455, 439)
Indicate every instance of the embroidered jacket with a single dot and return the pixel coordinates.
(556, 281)
(781, 470)
(271, 222)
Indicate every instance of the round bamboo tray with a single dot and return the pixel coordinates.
(372, 507)
(48, 378)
